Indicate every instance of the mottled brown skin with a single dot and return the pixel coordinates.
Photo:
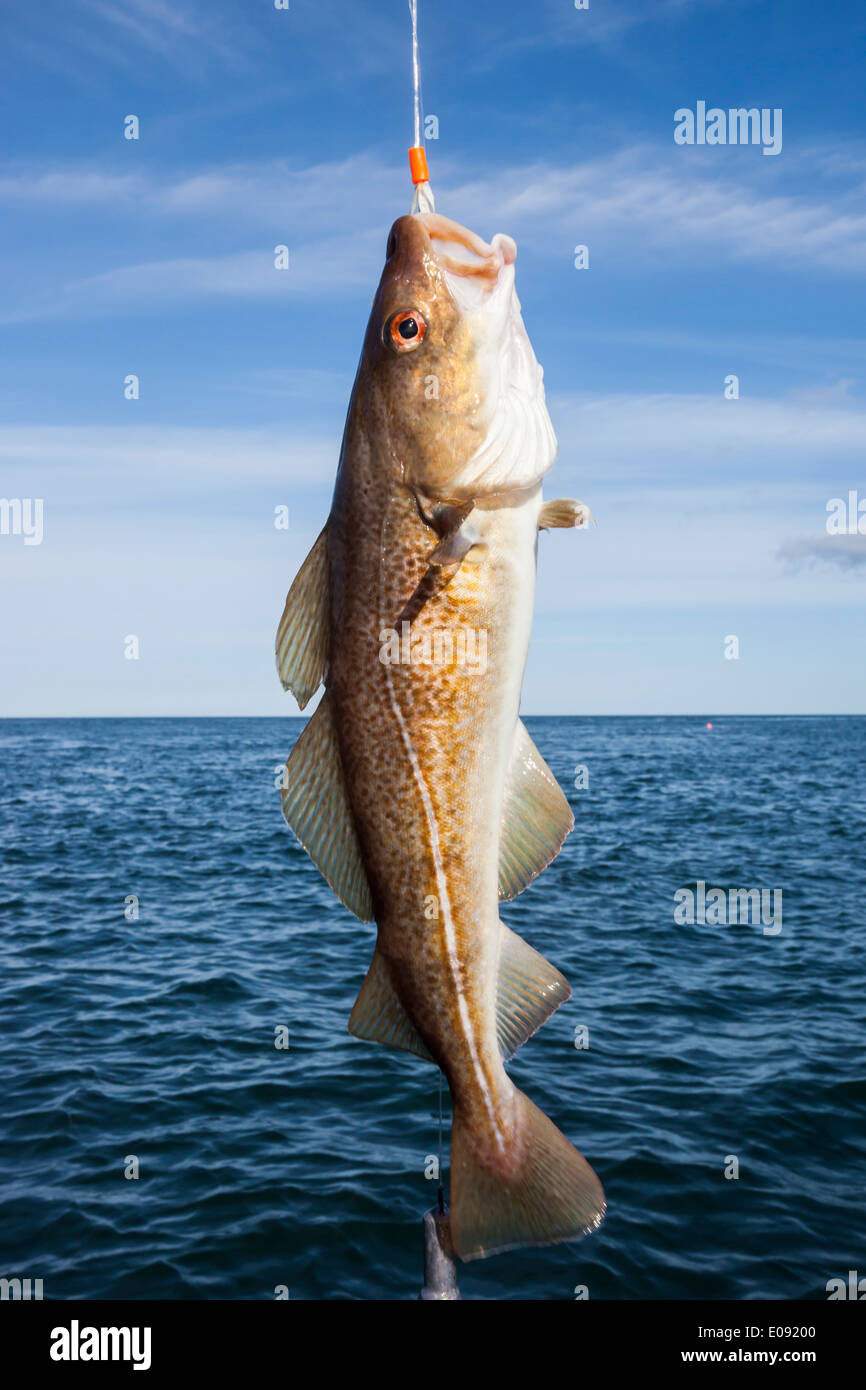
(435, 516)
(425, 749)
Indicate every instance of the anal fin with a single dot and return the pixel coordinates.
(536, 818)
(529, 989)
(379, 1016)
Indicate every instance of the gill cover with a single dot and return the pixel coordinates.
(518, 445)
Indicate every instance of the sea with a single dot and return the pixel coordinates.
(183, 1114)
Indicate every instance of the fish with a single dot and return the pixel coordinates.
(415, 787)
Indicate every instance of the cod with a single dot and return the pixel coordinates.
(415, 788)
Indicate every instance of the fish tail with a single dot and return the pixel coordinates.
(539, 1192)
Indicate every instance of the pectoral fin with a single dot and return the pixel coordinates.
(536, 818)
(563, 511)
(303, 634)
(459, 534)
(316, 806)
(453, 548)
(434, 580)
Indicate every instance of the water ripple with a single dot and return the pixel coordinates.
(161, 926)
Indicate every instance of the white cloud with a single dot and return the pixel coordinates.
(641, 206)
(680, 202)
(847, 553)
(168, 533)
(634, 442)
(268, 191)
(176, 32)
(648, 437)
(317, 270)
(314, 269)
(106, 460)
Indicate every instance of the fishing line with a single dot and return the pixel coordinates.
(423, 199)
(440, 1196)
(416, 71)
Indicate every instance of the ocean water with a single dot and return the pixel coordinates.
(152, 1038)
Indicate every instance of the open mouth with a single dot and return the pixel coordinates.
(473, 266)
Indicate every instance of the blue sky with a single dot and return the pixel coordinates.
(260, 127)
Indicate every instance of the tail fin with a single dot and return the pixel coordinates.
(540, 1192)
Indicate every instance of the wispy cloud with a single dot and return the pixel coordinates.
(206, 41)
(319, 266)
(104, 463)
(267, 191)
(597, 25)
(634, 208)
(703, 437)
(313, 271)
(847, 553)
(798, 350)
(182, 36)
(631, 443)
(651, 203)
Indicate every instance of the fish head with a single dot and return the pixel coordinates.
(451, 370)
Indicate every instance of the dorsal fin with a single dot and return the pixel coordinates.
(303, 634)
(536, 818)
(316, 806)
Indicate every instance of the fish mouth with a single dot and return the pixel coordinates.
(464, 253)
(476, 270)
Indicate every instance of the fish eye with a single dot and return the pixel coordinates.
(405, 331)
